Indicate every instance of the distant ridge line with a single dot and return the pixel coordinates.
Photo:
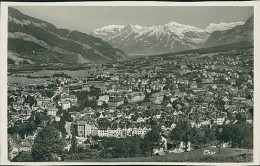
(214, 49)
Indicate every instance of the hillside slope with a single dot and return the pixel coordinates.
(237, 34)
(222, 156)
(37, 41)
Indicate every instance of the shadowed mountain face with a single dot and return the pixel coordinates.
(32, 40)
(240, 33)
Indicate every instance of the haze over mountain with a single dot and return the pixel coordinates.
(32, 40)
(171, 37)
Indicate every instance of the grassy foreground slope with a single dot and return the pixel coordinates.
(225, 155)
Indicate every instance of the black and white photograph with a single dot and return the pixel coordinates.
(129, 84)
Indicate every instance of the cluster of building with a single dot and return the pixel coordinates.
(133, 96)
(105, 129)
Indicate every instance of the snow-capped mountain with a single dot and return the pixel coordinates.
(222, 26)
(135, 39)
(171, 37)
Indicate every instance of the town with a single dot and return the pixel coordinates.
(130, 99)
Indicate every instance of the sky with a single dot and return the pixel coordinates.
(88, 18)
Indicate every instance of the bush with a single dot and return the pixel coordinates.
(23, 157)
(240, 135)
(48, 145)
(233, 159)
(76, 156)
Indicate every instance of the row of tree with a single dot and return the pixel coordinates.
(49, 143)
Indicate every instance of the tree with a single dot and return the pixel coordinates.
(220, 104)
(105, 105)
(239, 135)
(66, 116)
(251, 110)
(47, 93)
(199, 138)
(151, 122)
(22, 128)
(74, 146)
(249, 97)
(165, 100)
(210, 134)
(241, 117)
(199, 81)
(128, 147)
(56, 98)
(122, 147)
(48, 145)
(30, 99)
(151, 141)
(23, 157)
(183, 132)
(38, 118)
(60, 126)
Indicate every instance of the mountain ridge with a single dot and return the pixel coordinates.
(240, 33)
(170, 37)
(37, 41)
(32, 40)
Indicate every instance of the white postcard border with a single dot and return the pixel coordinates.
(3, 74)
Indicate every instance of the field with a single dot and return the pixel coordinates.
(24, 81)
(225, 155)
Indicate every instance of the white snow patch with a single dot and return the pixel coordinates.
(222, 26)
